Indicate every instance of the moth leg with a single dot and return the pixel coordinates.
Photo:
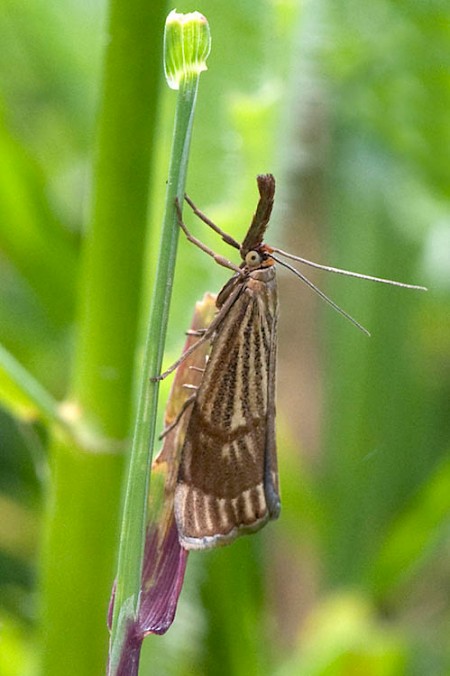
(178, 417)
(195, 332)
(226, 238)
(185, 355)
(206, 336)
(221, 260)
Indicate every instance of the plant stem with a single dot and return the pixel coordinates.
(29, 388)
(126, 604)
(113, 250)
(83, 507)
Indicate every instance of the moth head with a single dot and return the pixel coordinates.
(253, 259)
(258, 258)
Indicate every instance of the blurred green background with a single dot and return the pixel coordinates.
(348, 105)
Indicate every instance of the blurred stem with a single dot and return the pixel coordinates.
(126, 604)
(113, 254)
(29, 386)
(81, 520)
(77, 568)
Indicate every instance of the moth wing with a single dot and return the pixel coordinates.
(271, 483)
(227, 481)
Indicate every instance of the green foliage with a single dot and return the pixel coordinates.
(347, 104)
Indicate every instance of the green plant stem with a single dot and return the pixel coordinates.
(113, 255)
(29, 386)
(83, 508)
(78, 569)
(126, 605)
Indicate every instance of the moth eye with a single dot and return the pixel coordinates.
(253, 258)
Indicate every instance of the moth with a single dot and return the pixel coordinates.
(227, 482)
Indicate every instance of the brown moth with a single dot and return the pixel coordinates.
(227, 481)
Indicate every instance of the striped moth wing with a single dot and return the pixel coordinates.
(227, 480)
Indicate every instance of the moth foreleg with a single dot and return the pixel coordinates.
(220, 260)
(178, 417)
(206, 336)
(226, 238)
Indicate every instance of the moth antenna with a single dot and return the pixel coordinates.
(322, 294)
(348, 273)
